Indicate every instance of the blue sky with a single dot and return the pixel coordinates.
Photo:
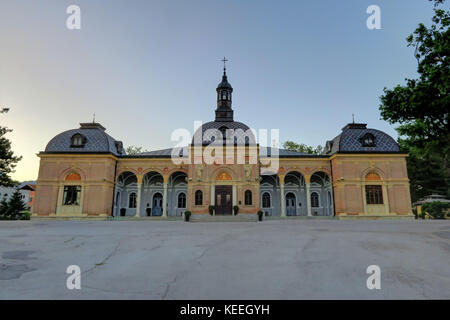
(148, 67)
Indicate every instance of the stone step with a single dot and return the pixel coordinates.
(224, 218)
(299, 218)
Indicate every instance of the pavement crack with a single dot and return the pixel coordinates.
(109, 256)
(66, 241)
(168, 285)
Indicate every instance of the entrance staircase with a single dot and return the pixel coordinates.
(224, 218)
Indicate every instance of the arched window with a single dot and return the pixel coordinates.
(132, 200)
(182, 200)
(266, 200)
(198, 198)
(77, 141)
(314, 200)
(248, 198)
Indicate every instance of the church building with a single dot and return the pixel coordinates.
(85, 172)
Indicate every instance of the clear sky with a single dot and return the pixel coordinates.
(148, 67)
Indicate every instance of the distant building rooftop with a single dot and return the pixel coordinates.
(431, 198)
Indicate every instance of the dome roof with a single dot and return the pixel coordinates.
(208, 131)
(92, 139)
(356, 137)
(224, 84)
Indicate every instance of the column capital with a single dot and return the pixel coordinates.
(139, 178)
(307, 178)
(166, 178)
(281, 178)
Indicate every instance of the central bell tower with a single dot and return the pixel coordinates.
(224, 92)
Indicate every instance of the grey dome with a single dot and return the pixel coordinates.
(206, 132)
(95, 140)
(353, 137)
(224, 84)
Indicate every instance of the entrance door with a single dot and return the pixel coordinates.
(224, 199)
(290, 204)
(157, 204)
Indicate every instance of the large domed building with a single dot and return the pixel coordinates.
(85, 172)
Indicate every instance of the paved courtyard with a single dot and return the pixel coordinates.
(290, 259)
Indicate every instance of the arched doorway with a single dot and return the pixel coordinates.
(126, 186)
(294, 184)
(224, 194)
(321, 194)
(152, 184)
(177, 194)
(290, 204)
(157, 203)
(270, 195)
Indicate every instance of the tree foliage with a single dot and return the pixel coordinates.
(14, 209)
(8, 160)
(16, 204)
(421, 106)
(436, 209)
(293, 146)
(426, 172)
(133, 150)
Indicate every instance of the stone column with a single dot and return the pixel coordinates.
(363, 189)
(385, 197)
(138, 196)
(308, 195)
(213, 197)
(282, 200)
(59, 202)
(234, 195)
(166, 179)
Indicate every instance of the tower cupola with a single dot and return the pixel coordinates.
(224, 112)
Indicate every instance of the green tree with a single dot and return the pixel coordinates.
(3, 208)
(293, 146)
(16, 205)
(8, 160)
(133, 150)
(426, 172)
(422, 105)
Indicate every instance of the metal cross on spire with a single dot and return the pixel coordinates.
(93, 119)
(224, 60)
(353, 116)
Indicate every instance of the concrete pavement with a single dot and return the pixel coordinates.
(284, 259)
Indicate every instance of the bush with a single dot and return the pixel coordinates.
(25, 215)
(436, 209)
(187, 215)
(236, 210)
(211, 209)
